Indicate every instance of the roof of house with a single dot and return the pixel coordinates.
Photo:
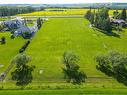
(25, 29)
(118, 21)
(17, 21)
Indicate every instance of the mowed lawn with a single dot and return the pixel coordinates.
(66, 92)
(58, 35)
(9, 50)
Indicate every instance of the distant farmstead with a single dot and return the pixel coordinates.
(19, 28)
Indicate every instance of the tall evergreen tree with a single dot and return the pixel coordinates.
(116, 14)
(123, 14)
(102, 20)
(39, 23)
(90, 16)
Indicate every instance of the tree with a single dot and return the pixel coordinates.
(90, 16)
(116, 15)
(107, 25)
(39, 23)
(115, 65)
(3, 40)
(123, 14)
(102, 20)
(71, 70)
(10, 11)
(2, 26)
(23, 72)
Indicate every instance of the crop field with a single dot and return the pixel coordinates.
(60, 12)
(48, 12)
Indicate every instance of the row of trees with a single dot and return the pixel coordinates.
(115, 65)
(99, 19)
(10, 11)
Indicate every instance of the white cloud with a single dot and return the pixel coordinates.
(56, 1)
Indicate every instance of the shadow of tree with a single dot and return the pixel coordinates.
(108, 33)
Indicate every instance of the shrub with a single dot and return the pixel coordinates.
(12, 36)
(3, 40)
(23, 48)
(26, 35)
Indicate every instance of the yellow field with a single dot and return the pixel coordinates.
(49, 12)
(60, 12)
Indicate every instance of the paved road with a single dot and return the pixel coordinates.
(68, 16)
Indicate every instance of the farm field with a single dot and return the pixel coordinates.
(51, 12)
(58, 35)
(60, 12)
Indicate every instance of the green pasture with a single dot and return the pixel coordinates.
(66, 92)
(58, 35)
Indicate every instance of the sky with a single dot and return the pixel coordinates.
(57, 1)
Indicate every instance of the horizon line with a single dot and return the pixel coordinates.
(64, 3)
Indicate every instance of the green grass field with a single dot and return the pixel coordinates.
(71, 34)
(67, 92)
(9, 50)
(56, 36)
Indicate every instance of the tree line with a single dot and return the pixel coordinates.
(10, 11)
(100, 19)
